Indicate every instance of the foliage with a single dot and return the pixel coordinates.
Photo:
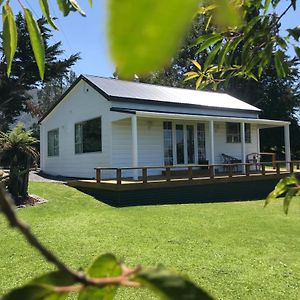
(278, 98)
(230, 24)
(17, 146)
(245, 50)
(50, 93)
(24, 72)
(287, 186)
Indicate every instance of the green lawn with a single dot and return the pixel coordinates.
(234, 250)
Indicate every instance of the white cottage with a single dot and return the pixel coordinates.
(104, 122)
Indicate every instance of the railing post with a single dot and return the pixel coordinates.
(230, 170)
(98, 175)
(277, 168)
(211, 172)
(119, 175)
(190, 173)
(145, 175)
(168, 173)
(247, 170)
(291, 167)
(263, 169)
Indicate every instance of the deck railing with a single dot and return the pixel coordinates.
(169, 173)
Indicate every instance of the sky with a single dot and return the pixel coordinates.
(88, 35)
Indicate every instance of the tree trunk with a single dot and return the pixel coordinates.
(23, 188)
(13, 184)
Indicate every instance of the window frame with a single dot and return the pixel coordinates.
(55, 147)
(248, 133)
(82, 143)
(230, 137)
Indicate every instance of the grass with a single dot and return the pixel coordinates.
(234, 250)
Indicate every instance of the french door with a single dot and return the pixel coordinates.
(184, 143)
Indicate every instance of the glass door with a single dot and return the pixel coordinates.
(190, 144)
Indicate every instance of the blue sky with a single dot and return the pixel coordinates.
(87, 35)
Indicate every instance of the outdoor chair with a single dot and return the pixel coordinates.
(227, 159)
(254, 159)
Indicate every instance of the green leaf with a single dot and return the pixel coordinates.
(281, 42)
(196, 64)
(104, 266)
(279, 64)
(266, 6)
(251, 24)
(297, 50)
(287, 200)
(46, 12)
(223, 53)
(143, 35)
(210, 41)
(211, 56)
(36, 40)
(91, 3)
(77, 7)
(169, 285)
(43, 287)
(281, 188)
(295, 33)
(34, 292)
(65, 7)
(56, 278)
(9, 35)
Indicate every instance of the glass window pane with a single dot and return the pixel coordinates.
(248, 133)
(88, 137)
(179, 144)
(201, 142)
(168, 143)
(53, 142)
(233, 133)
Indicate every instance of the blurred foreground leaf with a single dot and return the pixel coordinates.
(145, 34)
(171, 286)
(104, 266)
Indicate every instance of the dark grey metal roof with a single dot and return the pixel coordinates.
(140, 91)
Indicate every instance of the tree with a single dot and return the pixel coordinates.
(17, 147)
(51, 92)
(25, 74)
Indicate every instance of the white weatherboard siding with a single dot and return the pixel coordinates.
(232, 149)
(81, 104)
(150, 143)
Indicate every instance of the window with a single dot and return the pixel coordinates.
(248, 133)
(53, 142)
(88, 137)
(201, 142)
(233, 133)
(168, 144)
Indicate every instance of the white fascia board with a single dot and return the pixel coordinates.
(264, 123)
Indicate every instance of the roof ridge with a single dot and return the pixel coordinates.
(153, 84)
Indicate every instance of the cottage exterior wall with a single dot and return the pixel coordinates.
(81, 104)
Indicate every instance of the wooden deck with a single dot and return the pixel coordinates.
(186, 184)
(189, 175)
